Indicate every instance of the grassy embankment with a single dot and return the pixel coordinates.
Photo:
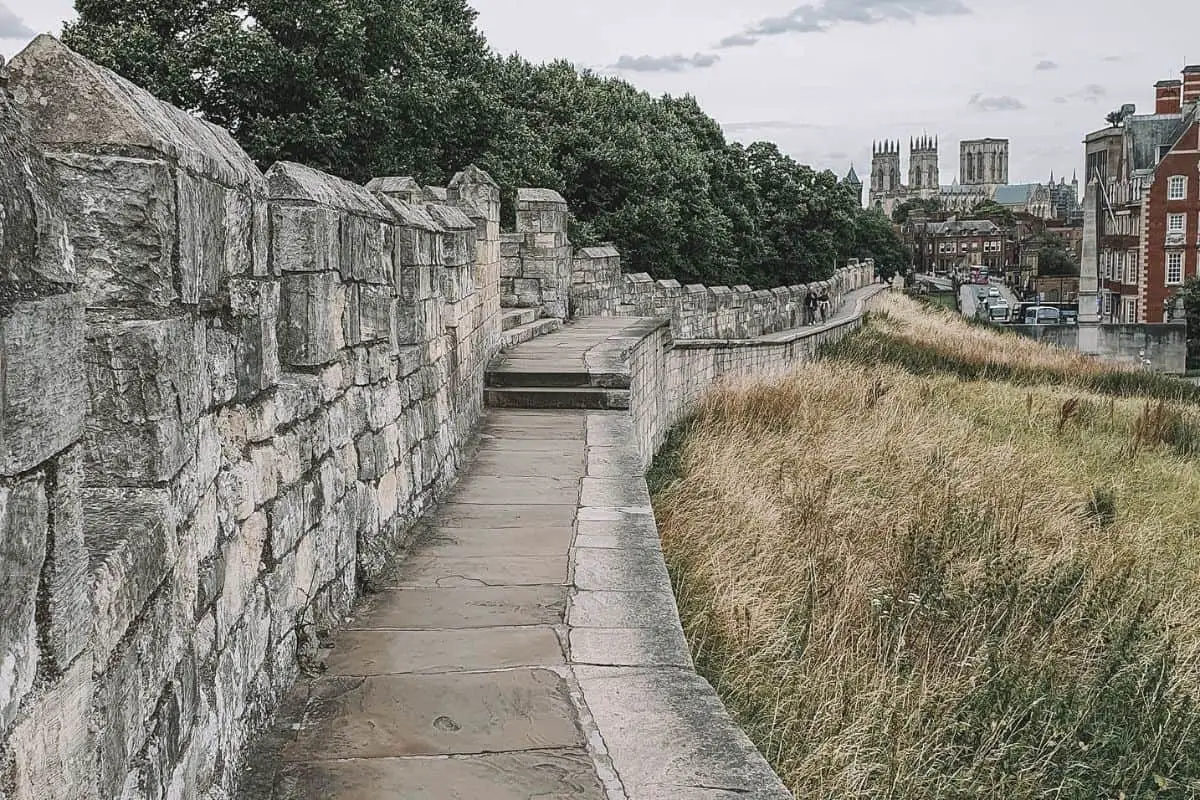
(947, 563)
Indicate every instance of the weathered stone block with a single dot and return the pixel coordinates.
(129, 690)
(122, 218)
(260, 239)
(41, 380)
(368, 313)
(146, 394)
(201, 237)
(310, 320)
(255, 305)
(238, 236)
(362, 251)
(132, 541)
(418, 247)
(304, 238)
(53, 745)
(23, 533)
(68, 611)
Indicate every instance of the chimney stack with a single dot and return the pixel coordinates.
(1191, 85)
(1166, 97)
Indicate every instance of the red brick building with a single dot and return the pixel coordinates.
(1148, 168)
(958, 244)
(1171, 244)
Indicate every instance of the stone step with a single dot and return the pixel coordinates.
(507, 376)
(515, 317)
(523, 333)
(557, 397)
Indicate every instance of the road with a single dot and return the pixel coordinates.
(968, 301)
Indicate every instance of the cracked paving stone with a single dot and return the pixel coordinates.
(462, 607)
(461, 713)
(549, 774)
(449, 571)
(358, 652)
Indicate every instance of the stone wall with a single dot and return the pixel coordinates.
(599, 288)
(1163, 345)
(536, 259)
(226, 398)
(596, 281)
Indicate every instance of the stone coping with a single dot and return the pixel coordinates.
(662, 726)
(861, 297)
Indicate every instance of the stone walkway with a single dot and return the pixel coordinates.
(451, 682)
(528, 646)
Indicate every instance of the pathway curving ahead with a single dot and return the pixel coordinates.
(529, 645)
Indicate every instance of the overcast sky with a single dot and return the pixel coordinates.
(823, 79)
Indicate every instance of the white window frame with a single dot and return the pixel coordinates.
(1177, 187)
(1176, 255)
(1176, 223)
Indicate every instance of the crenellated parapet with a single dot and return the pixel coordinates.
(697, 311)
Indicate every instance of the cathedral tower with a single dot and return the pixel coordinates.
(983, 162)
(923, 178)
(885, 168)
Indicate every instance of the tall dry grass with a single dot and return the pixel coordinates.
(927, 340)
(915, 586)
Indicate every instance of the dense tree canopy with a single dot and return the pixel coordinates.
(1053, 256)
(902, 211)
(990, 209)
(361, 88)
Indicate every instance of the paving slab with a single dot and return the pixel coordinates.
(559, 463)
(504, 490)
(464, 571)
(549, 774)
(459, 542)
(613, 462)
(462, 607)
(500, 515)
(631, 647)
(668, 734)
(619, 570)
(463, 713)
(622, 492)
(630, 527)
(606, 609)
(366, 652)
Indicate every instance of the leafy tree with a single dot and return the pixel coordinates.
(354, 87)
(1053, 256)
(875, 238)
(990, 209)
(902, 211)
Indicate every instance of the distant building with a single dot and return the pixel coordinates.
(1058, 201)
(1028, 198)
(957, 244)
(854, 184)
(1148, 169)
(988, 169)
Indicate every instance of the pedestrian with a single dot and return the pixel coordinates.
(823, 303)
(810, 308)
